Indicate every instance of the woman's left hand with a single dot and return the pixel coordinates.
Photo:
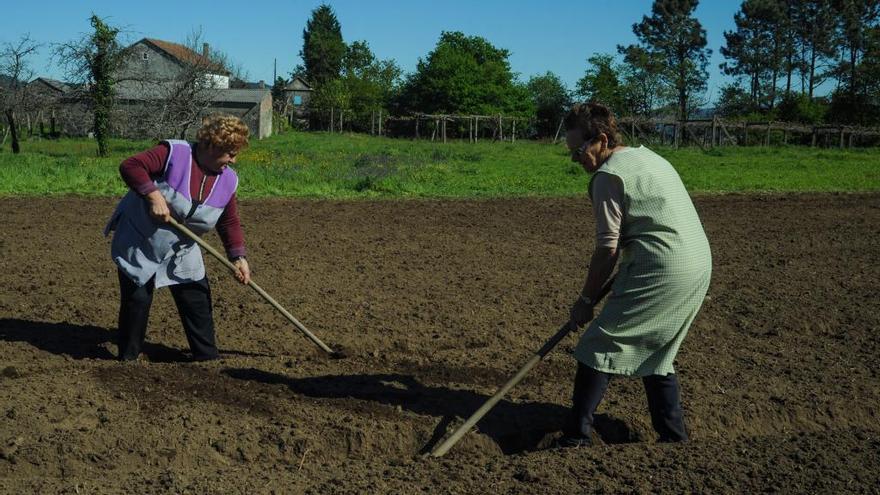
(243, 270)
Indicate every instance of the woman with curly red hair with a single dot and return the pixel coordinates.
(193, 183)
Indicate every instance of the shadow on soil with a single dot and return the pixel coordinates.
(85, 341)
(514, 427)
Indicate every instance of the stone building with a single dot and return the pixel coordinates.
(156, 75)
(162, 61)
(297, 94)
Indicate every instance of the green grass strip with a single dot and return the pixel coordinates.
(322, 165)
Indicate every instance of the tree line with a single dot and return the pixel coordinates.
(780, 53)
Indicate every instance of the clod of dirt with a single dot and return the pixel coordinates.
(339, 353)
(11, 372)
(8, 451)
(526, 475)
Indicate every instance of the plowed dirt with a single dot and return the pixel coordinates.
(437, 303)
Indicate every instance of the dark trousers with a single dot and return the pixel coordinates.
(193, 302)
(664, 402)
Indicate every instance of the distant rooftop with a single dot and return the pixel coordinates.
(184, 55)
(55, 84)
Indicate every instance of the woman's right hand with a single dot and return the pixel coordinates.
(581, 313)
(158, 207)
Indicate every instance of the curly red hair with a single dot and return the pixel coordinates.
(223, 131)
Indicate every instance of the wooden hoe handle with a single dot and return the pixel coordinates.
(253, 285)
(489, 404)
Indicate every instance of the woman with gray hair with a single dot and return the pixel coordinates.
(647, 225)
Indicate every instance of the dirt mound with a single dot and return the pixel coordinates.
(436, 304)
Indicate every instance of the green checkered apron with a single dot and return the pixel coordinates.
(663, 275)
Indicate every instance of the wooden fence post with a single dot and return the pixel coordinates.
(558, 128)
(841, 138)
(417, 126)
(813, 144)
(768, 134)
(444, 129)
(714, 129)
(513, 132)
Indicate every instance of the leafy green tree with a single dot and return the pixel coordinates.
(323, 48)
(601, 83)
(465, 74)
(643, 83)
(734, 101)
(802, 108)
(369, 82)
(551, 100)
(327, 100)
(675, 35)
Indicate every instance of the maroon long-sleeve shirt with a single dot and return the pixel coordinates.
(140, 170)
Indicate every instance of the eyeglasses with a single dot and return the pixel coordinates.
(583, 148)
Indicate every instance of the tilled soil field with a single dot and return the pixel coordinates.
(436, 304)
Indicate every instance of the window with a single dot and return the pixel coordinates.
(297, 100)
(146, 56)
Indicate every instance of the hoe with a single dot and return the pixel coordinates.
(489, 404)
(260, 291)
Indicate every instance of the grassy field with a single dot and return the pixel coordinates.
(358, 166)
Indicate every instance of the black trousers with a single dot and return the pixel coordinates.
(664, 402)
(193, 302)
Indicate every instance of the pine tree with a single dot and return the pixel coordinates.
(857, 18)
(323, 48)
(815, 22)
(754, 50)
(676, 36)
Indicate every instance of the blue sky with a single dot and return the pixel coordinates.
(556, 36)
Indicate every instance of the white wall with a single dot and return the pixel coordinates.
(217, 81)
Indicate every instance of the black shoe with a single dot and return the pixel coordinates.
(568, 442)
